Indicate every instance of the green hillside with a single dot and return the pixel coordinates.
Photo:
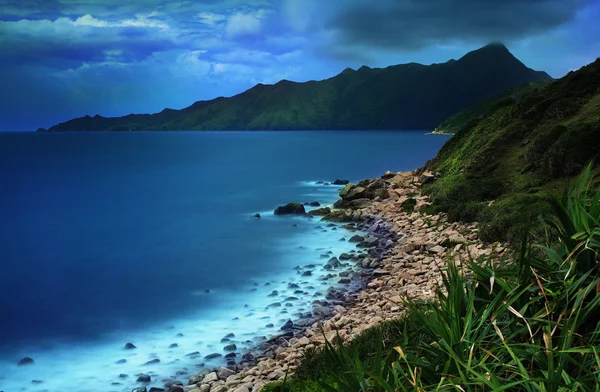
(409, 96)
(478, 111)
(517, 153)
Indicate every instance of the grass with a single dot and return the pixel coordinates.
(531, 324)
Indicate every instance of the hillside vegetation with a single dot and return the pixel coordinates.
(484, 108)
(497, 169)
(409, 96)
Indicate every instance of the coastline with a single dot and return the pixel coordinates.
(404, 261)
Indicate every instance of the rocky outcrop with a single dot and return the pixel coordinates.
(340, 182)
(319, 211)
(290, 208)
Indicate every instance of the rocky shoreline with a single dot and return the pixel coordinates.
(405, 254)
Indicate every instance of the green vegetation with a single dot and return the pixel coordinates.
(484, 108)
(528, 324)
(409, 96)
(497, 169)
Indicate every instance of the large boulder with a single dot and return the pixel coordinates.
(290, 208)
(427, 177)
(144, 378)
(352, 192)
(366, 189)
(340, 182)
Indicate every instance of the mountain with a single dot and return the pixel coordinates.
(408, 96)
(498, 169)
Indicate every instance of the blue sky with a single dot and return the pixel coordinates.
(61, 59)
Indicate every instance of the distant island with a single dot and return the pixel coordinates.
(401, 97)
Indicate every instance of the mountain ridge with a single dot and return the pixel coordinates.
(402, 96)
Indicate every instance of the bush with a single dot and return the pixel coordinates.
(573, 149)
(511, 218)
(542, 142)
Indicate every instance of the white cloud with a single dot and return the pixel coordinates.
(89, 20)
(211, 18)
(241, 23)
(140, 21)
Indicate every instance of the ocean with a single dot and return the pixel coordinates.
(148, 237)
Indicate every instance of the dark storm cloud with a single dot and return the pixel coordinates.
(415, 24)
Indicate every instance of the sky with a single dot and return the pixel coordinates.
(61, 59)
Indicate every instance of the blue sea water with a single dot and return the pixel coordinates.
(107, 238)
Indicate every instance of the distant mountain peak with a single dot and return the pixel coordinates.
(407, 96)
(495, 45)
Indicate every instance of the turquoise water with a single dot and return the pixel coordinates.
(108, 238)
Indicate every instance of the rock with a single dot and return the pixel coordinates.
(290, 208)
(153, 361)
(129, 346)
(438, 249)
(334, 262)
(25, 361)
(212, 376)
(314, 204)
(368, 242)
(352, 192)
(242, 389)
(287, 326)
(358, 203)
(230, 347)
(307, 273)
(195, 379)
(173, 345)
(319, 211)
(247, 357)
(356, 238)
(213, 356)
(380, 272)
(140, 389)
(321, 311)
(121, 361)
(156, 389)
(427, 178)
(175, 388)
(340, 182)
(387, 175)
(144, 378)
(224, 373)
(170, 383)
(256, 216)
